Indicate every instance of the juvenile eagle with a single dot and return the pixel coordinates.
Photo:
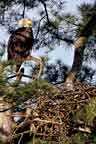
(20, 43)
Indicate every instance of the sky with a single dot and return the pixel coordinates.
(73, 4)
(66, 55)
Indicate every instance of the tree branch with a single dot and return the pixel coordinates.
(52, 25)
(44, 4)
(39, 27)
(57, 36)
(24, 4)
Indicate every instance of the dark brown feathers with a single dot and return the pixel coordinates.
(20, 43)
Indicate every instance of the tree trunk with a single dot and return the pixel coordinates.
(79, 45)
(78, 58)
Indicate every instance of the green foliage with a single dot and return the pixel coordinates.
(93, 138)
(18, 94)
(71, 19)
(38, 141)
(88, 112)
(79, 138)
(86, 11)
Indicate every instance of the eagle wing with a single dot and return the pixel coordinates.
(20, 43)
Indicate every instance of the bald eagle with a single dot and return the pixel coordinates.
(20, 43)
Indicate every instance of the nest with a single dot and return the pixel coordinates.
(45, 113)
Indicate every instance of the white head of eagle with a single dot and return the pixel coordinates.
(24, 22)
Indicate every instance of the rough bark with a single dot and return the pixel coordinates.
(79, 45)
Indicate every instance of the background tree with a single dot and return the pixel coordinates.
(89, 55)
(85, 31)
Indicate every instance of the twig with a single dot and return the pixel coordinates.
(18, 75)
(23, 14)
(39, 27)
(44, 4)
(4, 110)
(28, 131)
(46, 121)
(85, 130)
(20, 138)
(74, 102)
